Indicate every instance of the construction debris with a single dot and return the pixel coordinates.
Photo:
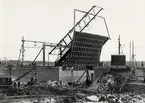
(105, 89)
(59, 92)
(93, 98)
(97, 98)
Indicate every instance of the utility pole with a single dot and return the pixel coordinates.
(44, 54)
(10, 70)
(35, 74)
(18, 63)
(130, 55)
(133, 54)
(119, 45)
(48, 59)
(23, 50)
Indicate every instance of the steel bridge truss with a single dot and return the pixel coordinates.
(79, 26)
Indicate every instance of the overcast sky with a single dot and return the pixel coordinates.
(50, 20)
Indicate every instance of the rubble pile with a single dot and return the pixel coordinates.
(114, 98)
(111, 82)
(103, 84)
(97, 98)
(33, 90)
(42, 88)
(107, 82)
(105, 89)
(62, 93)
